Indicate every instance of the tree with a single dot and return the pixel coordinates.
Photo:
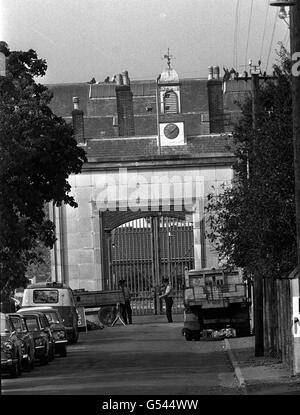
(252, 222)
(37, 154)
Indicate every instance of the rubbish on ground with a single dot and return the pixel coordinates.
(219, 334)
(91, 325)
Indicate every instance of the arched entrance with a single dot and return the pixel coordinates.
(146, 249)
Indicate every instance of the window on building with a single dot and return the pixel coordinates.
(170, 103)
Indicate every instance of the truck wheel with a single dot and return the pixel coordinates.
(107, 315)
(188, 335)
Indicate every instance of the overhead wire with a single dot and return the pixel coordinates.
(264, 31)
(235, 41)
(272, 38)
(286, 38)
(248, 35)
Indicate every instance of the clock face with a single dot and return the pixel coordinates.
(171, 131)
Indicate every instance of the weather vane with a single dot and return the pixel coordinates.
(168, 57)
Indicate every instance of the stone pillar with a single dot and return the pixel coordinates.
(198, 215)
(78, 260)
(57, 261)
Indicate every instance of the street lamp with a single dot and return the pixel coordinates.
(284, 3)
(282, 14)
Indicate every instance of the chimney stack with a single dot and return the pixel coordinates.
(119, 79)
(124, 106)
(216, 72)
(126, 80)
(2, 64)
(215, 100)
(78, 123)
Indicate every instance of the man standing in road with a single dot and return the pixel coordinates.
(168, 296)
(125, 307)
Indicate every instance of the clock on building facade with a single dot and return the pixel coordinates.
(171, 131)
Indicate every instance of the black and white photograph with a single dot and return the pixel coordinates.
(149, 203)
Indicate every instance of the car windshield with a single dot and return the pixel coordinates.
(17, 323)
(52, 317)
(32, 323)
(45, 296)
(4, 324)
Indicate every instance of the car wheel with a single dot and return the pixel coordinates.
(44, 360)
(32, 363)
(188, 335)
(28, 364)
(63, 351)
(16, 369)
(51, 354)
(75, 336)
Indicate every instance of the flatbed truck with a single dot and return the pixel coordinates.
(214, 299)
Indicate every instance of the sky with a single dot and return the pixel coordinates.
(81, 39)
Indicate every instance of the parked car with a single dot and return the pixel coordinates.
(35, 324)
(46, 327)
(58, 296)
(19, 325)
(57, 328)
(11, 348)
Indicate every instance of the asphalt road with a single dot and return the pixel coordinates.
(141, 359)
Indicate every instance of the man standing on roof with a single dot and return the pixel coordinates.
(168, 296)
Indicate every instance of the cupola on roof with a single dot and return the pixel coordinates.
(169, 75)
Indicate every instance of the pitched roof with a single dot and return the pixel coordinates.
(139, 148)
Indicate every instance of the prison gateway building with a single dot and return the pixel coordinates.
(155, 150)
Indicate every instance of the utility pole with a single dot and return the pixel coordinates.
(295, 48)
(257, 280)
(294, 14)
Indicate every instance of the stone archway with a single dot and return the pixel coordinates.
(142, 248)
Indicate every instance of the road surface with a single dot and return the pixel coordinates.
(138, 359)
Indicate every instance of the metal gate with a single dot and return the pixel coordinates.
(144, 251)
